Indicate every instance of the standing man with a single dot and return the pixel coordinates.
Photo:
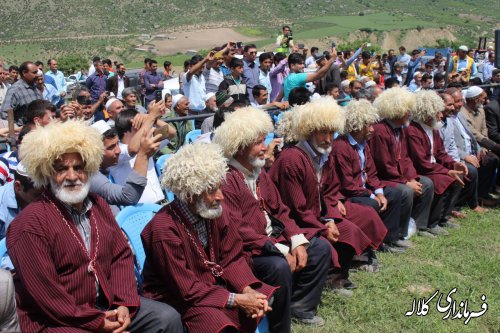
(48, 91)
(462, 63)
(193, 82)
(281, 254)
(118, 82)
(403, 58)
(153, 81)
(88, 282)
(96, 83)
(21, 93)
(284, 42)
(251, 71)
(194, 257)
(58, 77)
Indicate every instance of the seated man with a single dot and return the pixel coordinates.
(307, 187)
(8, 315)
(129, 193)
(281, 254)
(357, 173)
(194, 258)
(74, 268)
(426, 150)
(180, 108)
(389, 150)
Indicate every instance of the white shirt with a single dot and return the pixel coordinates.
(430, 135)
(121, 86)
(195, 91)
(120, 172)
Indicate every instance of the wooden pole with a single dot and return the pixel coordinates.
(12, 133)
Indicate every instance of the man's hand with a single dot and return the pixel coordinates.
(69, 111)
(110, 323)
(123, 318)
(139, 120)
(459, 166)
(156, 109)
(300, 254)
(210, 56)
(471, 159)
(102, 97)
(292, 261)
(254, 304)
(332, 232)
(456, 175)
(382, 202)
(416, 187)
(149, 143)
(341, 208)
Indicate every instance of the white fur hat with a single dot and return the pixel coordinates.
(394, 103)
(427, 105)
(194, 169)
(359, 114)
(241, 128)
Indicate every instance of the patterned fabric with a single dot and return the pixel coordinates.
(81, 220)
(18, 96)
(197, 222)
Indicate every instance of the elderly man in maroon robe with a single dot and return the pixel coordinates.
(388, 146)
(426, 150)
(281, 254)
(74, 269)
(194, 259)
(304, 176)
(357, 173)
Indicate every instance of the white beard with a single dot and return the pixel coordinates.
(437, 125)
(321, 150)
(256, 162)
(67, 196)
(207, 212)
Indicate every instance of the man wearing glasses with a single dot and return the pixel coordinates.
(21, 93)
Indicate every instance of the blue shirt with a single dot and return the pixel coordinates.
(155, 79)
(97, 85)
(360, 148)
(8, 207)
(59, 79)
(293, 80)
(51, 94)
(412, 67)
(488, 71)
(405, 58)
(49, 80)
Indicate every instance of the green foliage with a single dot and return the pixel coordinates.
(72, 63)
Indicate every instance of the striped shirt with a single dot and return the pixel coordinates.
(197, 222)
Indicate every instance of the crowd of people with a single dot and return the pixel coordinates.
(307, 166)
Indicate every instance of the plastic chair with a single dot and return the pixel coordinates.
(160, 164)
(3, 247)
(263, 326)
(191, 136)
(132, 220)
(269, 138)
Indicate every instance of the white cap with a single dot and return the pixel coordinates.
(39, 73)
(208, 96)
(344, 84)
(21, 170)
(464, 48)
(473, 91)
(176, 100)
(101, 126)
(369, 84)
(109, 102)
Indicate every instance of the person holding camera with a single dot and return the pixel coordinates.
(284, 42)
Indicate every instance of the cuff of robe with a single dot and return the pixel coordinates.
(282, 248)
(298, 240)
(379, 191)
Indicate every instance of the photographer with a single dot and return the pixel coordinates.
(284, 42)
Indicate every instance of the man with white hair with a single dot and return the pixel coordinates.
(426, 150)
(357, 173)
(113, 107)
(180, 108)
(74, 269)
(394, 167)
(307, 184)
(194, 258)
(281, 254)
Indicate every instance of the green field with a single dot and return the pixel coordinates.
(468, 259)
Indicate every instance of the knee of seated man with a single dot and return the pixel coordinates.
(427, 184)
(164, 315)
(321, 248)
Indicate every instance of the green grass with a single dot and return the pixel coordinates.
(468, 259)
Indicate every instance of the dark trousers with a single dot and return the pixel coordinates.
(487, 175)
(99, 114)
(299, 293)
(418, 207)
(391, 216)
(469, 194)
(443, 204)
(156, 317)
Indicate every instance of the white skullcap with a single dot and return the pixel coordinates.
(101, 126)
(464, 48)
(21, 170)
(473, 91)
(39, 73)
(345, 84)
(208, 96)
(109, 102)
(370, 83)
(176, 99)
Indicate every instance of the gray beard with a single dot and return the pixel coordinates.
(207, 212)
(70, 197)
(256, 162)
(321, 150)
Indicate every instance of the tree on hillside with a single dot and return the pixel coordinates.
(70, 64)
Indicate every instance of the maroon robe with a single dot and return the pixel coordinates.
(54, 290)
(174, 272)
(242, 203)
(390, 155)
(419, 150)
(348, 168)
(295, 177)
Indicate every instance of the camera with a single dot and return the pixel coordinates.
(158, 96)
